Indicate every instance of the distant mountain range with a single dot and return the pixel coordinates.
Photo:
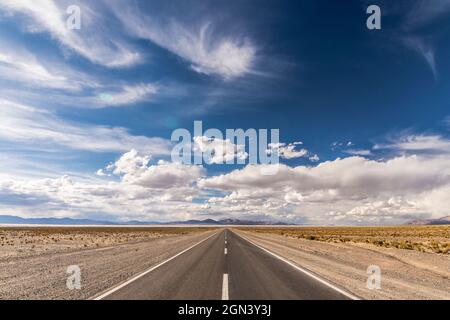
(62, 221)
(230, 222)
(5, 219)
(429, 222)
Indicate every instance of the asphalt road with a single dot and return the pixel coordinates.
(225, 266)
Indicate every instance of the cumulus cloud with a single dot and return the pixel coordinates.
(93, 41)
(219, 151)
(287, 151)
(134, 169)
(355, 185)
(338, 145)
(376, 211)
(160, 191)
(353, 190)
(130, 163)
(351, 176)
(207, 51)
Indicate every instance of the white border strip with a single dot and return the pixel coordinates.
(109, 292)
(347, 294)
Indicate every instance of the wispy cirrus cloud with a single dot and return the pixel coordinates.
(419, 15)
(417, 143)
(103, 95)
(18, 65)
(359, 152)
(447, 121)
(207, 51)
(26, 74)
(93, 41)
(30, 126)
(422, 12)
(424, 49)
(126, 95)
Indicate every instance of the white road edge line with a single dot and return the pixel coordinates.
(225, 287)
(111, 291)
(332, 286)
(226, 251)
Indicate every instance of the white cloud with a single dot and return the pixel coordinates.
(207, 51)
(421, 13)
(163, 191)
(287, 151)
(93, 41)
(130, 163)
(127, 95)
(382, 210)
(100, 95)
(219, 151)
(344, 191)
(100, 173)
(358, 152)
(31, 126)
(353, 175)
(398, 189)
(337, 145)
(19, 65)
(447, 121)
(425, 50)
(417, 17)
(135, 169)
(418, 143)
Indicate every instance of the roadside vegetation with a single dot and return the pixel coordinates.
(43, 238)
(434, 239)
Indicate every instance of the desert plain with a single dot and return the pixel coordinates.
(414, 260)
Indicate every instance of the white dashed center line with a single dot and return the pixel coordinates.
(225, 287)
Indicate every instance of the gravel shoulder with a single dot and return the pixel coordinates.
(36, 274)
(405, 274)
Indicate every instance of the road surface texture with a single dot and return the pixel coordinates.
(225, 266)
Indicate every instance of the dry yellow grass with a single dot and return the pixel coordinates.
(32, 239)
(434, 239)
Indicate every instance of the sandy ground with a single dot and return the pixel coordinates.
(405, 274)
(33, 265)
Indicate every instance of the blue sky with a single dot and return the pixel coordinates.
(87, 115)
